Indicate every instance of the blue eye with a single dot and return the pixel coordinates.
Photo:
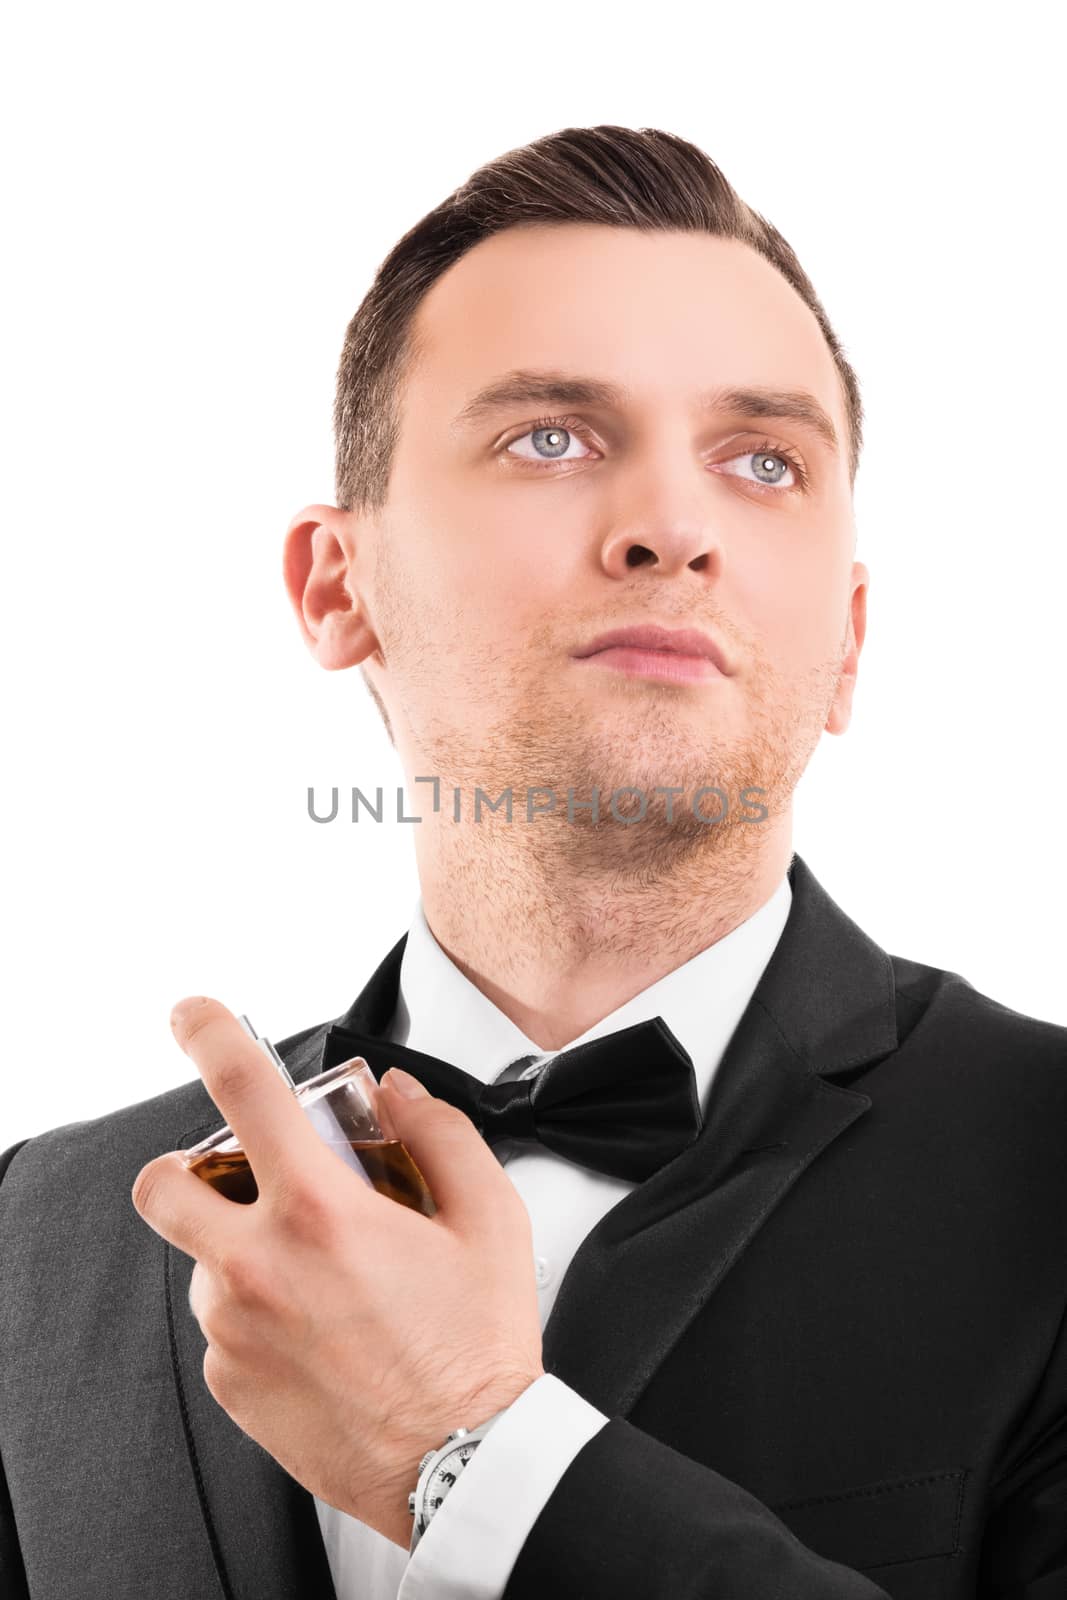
(551, 438)
(773, 463)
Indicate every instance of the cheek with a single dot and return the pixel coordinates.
(791, 608)
(497, 559)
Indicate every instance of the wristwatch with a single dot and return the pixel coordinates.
(438, 1471)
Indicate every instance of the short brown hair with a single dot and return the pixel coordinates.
(624, 177)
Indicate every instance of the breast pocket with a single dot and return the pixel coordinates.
(880, 1524)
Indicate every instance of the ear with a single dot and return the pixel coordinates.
(841, 710)
(319, 565)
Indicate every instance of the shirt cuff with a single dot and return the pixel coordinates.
(475, 1536)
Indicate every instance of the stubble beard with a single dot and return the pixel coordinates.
(544, 745)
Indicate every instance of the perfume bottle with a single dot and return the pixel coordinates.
(342, 1104)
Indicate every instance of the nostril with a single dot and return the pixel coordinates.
(637, 555)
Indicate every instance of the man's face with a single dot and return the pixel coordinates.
(509, 543)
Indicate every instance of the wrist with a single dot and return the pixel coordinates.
(492, 1396)
(470, 1410)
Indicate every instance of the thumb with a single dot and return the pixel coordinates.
(464, 1175)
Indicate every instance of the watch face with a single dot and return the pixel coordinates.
(446, 1472)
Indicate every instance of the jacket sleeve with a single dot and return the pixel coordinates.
(637, 1520)
(13, 1585)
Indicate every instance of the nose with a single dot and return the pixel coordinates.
(666, 522)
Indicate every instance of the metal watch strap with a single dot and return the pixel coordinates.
(420, 1510)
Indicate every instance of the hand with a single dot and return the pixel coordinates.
(347, 1334)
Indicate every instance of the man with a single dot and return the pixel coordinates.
(748, 1273)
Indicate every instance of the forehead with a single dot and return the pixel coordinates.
(661, 314)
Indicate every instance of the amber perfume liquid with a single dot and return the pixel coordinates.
(385, 1161)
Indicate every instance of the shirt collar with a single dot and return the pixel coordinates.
(440, 1012)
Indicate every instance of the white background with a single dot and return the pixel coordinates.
(195, 201)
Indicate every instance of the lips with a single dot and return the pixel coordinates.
(673, 641)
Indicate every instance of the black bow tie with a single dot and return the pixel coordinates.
(624, 1104)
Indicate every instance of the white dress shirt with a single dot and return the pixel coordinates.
(475, 1537)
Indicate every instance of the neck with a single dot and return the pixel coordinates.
(559, 930)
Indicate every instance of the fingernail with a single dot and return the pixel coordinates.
(405, 1084)
(184, 1007)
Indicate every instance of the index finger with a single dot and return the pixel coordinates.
(253, 1098)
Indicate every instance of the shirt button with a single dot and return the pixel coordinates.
(542, 1271)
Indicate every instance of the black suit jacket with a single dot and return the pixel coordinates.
(829, 1335)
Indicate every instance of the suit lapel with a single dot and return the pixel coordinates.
(645, 1271)
(823, 1005)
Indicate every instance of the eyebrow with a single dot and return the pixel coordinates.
(526, 386)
